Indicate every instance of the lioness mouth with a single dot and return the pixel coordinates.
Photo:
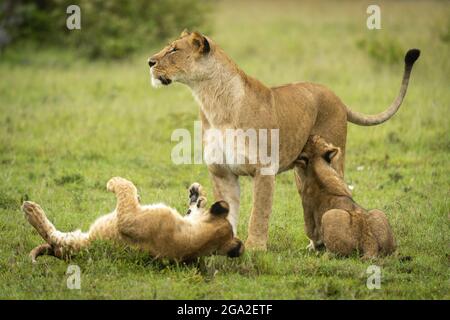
(165, 81)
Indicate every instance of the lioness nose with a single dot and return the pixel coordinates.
(151, 62)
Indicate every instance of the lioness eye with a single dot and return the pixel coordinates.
(172, 50)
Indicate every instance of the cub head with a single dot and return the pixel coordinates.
(234, 247)
(318, 165)
(217, 230)
(184, 60)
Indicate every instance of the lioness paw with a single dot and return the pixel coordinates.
(310, 247)
(255, 245)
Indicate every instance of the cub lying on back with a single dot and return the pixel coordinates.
(331, 216)
(157, 229)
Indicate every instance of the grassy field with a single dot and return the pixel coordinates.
(67, 125)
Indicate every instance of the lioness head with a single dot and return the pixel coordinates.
(318, 165)
(183, 60)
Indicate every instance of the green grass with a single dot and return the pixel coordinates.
(68, 125)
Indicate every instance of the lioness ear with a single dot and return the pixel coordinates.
(184, 33)
(200, 42)
(220, 208)
(331, 154)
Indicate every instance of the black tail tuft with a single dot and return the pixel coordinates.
(411, 56)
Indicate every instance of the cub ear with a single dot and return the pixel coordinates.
(314, 138)
(331, 154)
(200, 42)
(220, 208)
(302, 160)
(184, 33)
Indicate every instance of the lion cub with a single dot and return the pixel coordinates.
(157, 229)
(331, 216)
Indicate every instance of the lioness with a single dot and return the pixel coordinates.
(331, 216)
(157, 229)
(230, 99)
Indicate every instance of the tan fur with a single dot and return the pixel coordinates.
(157, 229)
(229, 98)
(331, 216)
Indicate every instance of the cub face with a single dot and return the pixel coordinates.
(217, 228)
(318, 158)
(233, 247)
(318, 169)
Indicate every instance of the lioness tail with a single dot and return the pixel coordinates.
(370, 120)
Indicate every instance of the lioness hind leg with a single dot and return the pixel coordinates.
(331, 124)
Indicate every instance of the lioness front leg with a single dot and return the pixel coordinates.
(258, 229)
(310, 224)
(226, 187)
